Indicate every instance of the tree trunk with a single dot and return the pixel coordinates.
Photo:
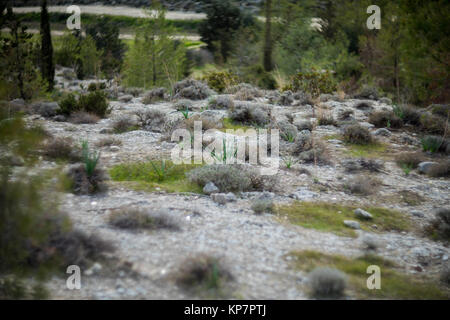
(268, 65)
(47, 66)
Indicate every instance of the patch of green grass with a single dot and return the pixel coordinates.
(370, 150)
(149, 176)
(394, 285)
(230, 124)
(330, 217)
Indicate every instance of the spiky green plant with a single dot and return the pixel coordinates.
(161, 171)
(90, 159)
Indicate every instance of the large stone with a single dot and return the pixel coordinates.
(382, 132)
(210, 188)
(352, 224)
(360, 213)
(424, 167)
(223, 198)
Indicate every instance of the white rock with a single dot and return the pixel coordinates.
(210, 188)
(352, 224)
(360, 213)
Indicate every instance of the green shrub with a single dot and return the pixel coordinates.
(69, 105)
(257, 76)
(431, 143)
(220, 80)
(93, 86)
(314, 82)
(357, 134)
(94, 102)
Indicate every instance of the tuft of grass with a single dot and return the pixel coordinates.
(203, 274)
(90, 159)
(143, 176)
(394, 285)
(431, 143)
(330, 217)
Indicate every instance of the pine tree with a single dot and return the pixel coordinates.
(47, 66)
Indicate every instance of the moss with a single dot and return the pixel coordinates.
(394, 285)
(330, 217)
(146, 176)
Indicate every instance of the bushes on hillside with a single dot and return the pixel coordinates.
(220, 80)
(313, 82)
(94, 102)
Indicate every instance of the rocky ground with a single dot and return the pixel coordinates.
(255, 248)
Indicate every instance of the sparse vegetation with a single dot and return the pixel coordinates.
(231, 178)
(330, 217)
(139, 219)
(145, 177)
(395, 285)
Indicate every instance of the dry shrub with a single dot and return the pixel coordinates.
(327, 282)
(81, 117)
(206, 123)
(108, 142)
(363, 185)
(410, 159)
(357, 134)
(383, 119)
(441, 169)
(62, 149)
(202, 272)
(134, 219)
(82, 183)
(124, 124)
